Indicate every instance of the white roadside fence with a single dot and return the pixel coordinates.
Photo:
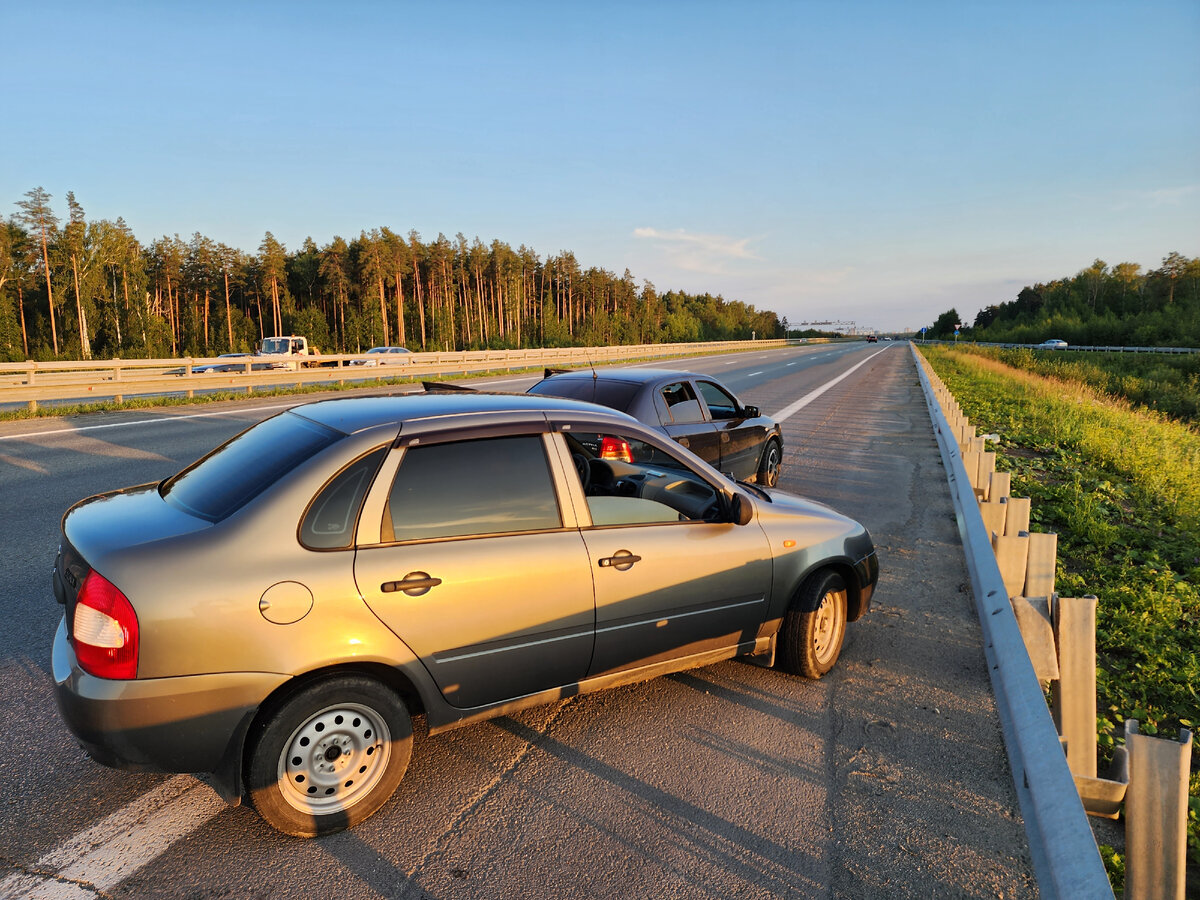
(33, 382)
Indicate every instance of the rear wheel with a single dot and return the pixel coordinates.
(810, 639)
(768, 467)
(329, 756)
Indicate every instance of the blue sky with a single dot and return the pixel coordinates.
(856, 161)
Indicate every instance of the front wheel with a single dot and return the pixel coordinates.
(810, 639)
(329, 756)
(768, 467)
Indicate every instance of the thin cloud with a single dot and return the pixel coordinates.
(1171, 196)
(698, 252)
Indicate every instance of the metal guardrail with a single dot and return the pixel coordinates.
(33, 382)
(1081, 348)
(1063, 848)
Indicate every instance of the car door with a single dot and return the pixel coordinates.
(683, 419)
(740, 439)
(475, 572)
(668, 583)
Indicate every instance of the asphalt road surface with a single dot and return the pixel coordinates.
(887, 778)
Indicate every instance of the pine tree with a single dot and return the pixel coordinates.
(38, 217)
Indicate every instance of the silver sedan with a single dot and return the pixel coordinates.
(276, 613)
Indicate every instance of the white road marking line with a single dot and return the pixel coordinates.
(752, 374)
(206, 415)
(104, 855)
(788, 411)
(792, 363)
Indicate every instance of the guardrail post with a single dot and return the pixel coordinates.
(1033, 619)
(999, 487)
(970, 461)
(1011, 555)
(1017, 518)
(32, 374)
(993, 513)
(1039, 571)
(987, 465)
(1156, 814)
(1074, 694)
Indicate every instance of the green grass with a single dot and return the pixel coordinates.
(1164, 382)
(1121, 487)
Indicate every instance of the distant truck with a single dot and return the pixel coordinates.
(283, 351)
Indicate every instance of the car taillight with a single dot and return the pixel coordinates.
(616, 448)
(105, 630)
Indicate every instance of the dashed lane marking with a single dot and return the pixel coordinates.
(788, 411)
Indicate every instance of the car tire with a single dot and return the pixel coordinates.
(768, 467)
(329, 756)
(813, 629)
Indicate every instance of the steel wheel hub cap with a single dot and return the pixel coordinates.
(826, 627)
(334, 758)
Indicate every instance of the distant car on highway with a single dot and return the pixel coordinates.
(277, 612)
(210, 368)
(872, 339)
(1052, 344)
(384, 356)
(696, 410)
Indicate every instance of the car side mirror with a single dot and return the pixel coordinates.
(741, 509)
(750, 412)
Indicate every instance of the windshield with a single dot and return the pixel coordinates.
(275, 345)
(242, 468)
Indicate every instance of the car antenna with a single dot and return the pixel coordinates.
(595, 378)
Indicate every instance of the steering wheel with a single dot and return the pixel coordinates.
(584, 469)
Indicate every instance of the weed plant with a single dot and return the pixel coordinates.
(1120, 487)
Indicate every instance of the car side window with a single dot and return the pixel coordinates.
(682, 406)
(721, 405)
(328, 523)
(627, 481)
(487, 486)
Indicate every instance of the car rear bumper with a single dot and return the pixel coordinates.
(185, 724)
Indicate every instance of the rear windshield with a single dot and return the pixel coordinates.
(242, 468)
(614, 394)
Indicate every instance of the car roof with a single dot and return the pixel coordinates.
(353, 414)
(630, 376)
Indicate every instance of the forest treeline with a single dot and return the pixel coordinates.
(76, 288)
(1102, 305)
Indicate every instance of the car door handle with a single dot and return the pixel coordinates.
(621, 560)
(414, 584)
